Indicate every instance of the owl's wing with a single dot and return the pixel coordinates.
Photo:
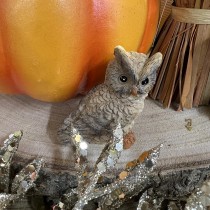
(85, 101)
(64, 131)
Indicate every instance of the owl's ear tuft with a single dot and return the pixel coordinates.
(119, 51)
(154, 62)
(122, 56)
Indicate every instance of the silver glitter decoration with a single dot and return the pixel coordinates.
(24, 180)
(105, 162)
(143, 203)
(81, 153)
(149, 202)
(6, 154)
(132, 184)
(6, 199)
(200, 199)
(130, 181)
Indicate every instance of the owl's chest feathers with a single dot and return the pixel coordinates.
(128, 108)
(108, 107)
(131, 105)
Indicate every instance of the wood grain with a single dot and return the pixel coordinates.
(40, 121)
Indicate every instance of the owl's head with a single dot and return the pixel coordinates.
(132, 73)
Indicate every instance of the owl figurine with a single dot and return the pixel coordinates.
(120, 99)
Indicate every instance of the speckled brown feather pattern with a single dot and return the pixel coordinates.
(113, 102)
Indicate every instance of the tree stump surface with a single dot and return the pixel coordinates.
(183, 149)
(40, 122)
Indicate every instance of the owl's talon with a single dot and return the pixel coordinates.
(128, 140)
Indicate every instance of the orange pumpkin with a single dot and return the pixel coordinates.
(51, 50)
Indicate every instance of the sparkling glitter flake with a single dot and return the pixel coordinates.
(83, 145)
(77, 138)
(119, 147)
(101, 167)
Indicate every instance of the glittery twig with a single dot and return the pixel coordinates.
(133, 183)
(107, 160)
(142, 202)
(130, 182)
(23, 181)
(6, 199)
(149, 202)
(200, 198)
(80, 156)
(6, 154)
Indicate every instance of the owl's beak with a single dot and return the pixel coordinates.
(134, 91)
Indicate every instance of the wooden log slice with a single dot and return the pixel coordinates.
(40, 122)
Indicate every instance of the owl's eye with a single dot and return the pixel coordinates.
(123, 78)
(145, 81)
